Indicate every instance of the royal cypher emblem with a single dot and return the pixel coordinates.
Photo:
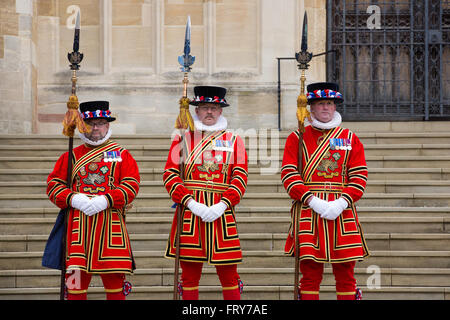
(209, 164)
(328, 164)
(94, 179)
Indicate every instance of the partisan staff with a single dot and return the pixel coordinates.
(72, 120)
(184, 121)
(303, 58)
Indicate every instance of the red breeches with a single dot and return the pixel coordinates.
(228, 276)
(78, 281)
(312, 277)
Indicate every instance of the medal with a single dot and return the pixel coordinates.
(104, 169)
(112, 156)
(222, 145)
(332, 144)
(344, 143)
(93, 167)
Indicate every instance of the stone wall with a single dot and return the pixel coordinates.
(18, 73)
(130, 58)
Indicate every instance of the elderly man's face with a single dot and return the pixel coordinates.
(208, 113)
(323, 110)
(99, 129)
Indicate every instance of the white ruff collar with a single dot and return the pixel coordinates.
(333, 123)
(95, 143)
(221, 124)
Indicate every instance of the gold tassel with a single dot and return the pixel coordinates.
(302, 112)
(73, 119)
(184, 119)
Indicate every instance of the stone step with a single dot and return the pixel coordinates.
(253, 258)
(262, 150)
(283, 211)
(396, 126)
(256, 186)
(155, 174)
(423, 277)
(405, 235)
(161, 225)
(249, 241)
(250, 199)
(406, 149)
(250, 293)
(265, 165)
(406, 136)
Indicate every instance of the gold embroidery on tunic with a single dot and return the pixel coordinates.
(92, 190)
(328, 164)
(205, 176)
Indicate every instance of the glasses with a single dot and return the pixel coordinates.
(212, 108)
(98, 124)
(324, 104)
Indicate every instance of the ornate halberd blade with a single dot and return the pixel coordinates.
(304, 45)
(304, 57)
(186, 60)
(75, 56)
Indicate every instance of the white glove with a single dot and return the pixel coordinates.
(318, 205)
(80, 201)
(197, 208)
(215, 212)
(97, 204)
(335, 209)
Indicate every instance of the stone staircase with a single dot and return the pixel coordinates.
(405, 214)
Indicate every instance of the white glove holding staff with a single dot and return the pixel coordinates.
(335, 209)
(318, 205)
(328, 210)
(98, 203)
(197, 208)
(80, 201)
(214, 212)
(207, 214)
(89, 206)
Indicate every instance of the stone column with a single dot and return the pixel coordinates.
(17, 67)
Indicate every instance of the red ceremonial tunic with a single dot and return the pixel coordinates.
(98, 243)
(215, 169)
(328, 173)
